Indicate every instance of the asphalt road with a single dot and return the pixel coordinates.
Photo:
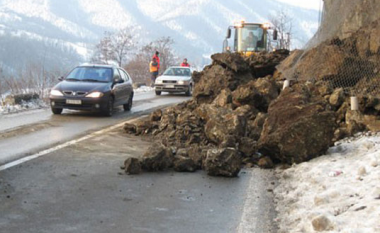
(80, 188)
(27, 133)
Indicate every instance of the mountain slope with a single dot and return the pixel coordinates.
(197, 26)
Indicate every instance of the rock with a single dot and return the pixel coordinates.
(298, 127)
(210, 82)
(246, 111)
(321, 223)
(130, 128)
(221, 123)
(197, 154)
(265, 162)
(223, 99)
(370, 122)
(183, 163)
(233, 61)
(247, 146)
(247, 94)
(264, 63)
(132, 166)
(362, 171)
(157, 158)
(156, 115)
(341, 113)
(222, 162)
(143, 127)
(254, 128)
(268, 89)
(337, 97)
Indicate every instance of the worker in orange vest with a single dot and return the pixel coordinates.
(153, 68)
(156, 55)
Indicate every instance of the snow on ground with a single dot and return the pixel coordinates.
(144, 89)
(338, 192)
(34, 104)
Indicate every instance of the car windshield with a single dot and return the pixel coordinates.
(91, 74)
(178, 72)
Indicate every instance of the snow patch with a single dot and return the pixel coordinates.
(339, 191)
(107, 13)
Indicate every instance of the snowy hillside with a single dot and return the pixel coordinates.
(73, 26)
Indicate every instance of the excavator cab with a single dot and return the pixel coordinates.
(249, 38)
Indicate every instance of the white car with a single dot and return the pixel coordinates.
(175, 79)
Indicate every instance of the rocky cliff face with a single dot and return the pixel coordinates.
(343, 18)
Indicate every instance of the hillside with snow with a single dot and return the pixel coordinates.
(62, 33)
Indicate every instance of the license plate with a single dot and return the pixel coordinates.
(170, 86)
(78, 102)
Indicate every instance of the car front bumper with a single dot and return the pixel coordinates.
(87, 104)
(171, 88)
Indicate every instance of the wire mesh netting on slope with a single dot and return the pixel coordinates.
(345, 52)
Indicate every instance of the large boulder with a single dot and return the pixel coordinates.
(221, 123)
(157, 158)
(183, 163)
(232, 61)
(132, 166)
(222, 162)
(298, 127)
(258, 93)
(264, 63)
(210, 82)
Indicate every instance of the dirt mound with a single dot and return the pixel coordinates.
(240, 116)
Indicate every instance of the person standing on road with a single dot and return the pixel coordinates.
(156, 56)
(153, 68)
(184, 63)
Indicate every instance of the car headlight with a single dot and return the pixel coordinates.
(56, 93)
(182, 82)
(95, 95)
(159, 82)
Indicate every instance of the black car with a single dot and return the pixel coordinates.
(94, 88)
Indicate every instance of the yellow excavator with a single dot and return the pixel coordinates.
(250, 38)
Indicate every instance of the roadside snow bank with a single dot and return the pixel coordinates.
(338, 192)
(143, 89)
(34, 104)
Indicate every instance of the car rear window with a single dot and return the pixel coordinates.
(96, 74)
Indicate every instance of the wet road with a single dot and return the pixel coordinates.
(29, 132)
(80, 188)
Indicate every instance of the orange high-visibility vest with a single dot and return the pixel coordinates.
(153, 67)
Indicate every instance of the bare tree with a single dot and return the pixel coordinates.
(283, 23)
(115, 47)
(123, 43)
(103, 50)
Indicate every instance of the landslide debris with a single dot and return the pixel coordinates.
(239, 115)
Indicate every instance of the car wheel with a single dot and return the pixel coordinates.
(158, 92)
(189, 92)
(128, 106)
(56, 111)
(109, 111)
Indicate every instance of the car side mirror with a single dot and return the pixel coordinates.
(118, 80)
(275, 35)
(61, 79)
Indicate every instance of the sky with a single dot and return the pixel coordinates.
(309, 4)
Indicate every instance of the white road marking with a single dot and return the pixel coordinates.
(247, 223)
(66, 144)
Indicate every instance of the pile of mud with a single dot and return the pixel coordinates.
(240, 116)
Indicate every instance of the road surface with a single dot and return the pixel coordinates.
(30, 132)
(80, 188)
